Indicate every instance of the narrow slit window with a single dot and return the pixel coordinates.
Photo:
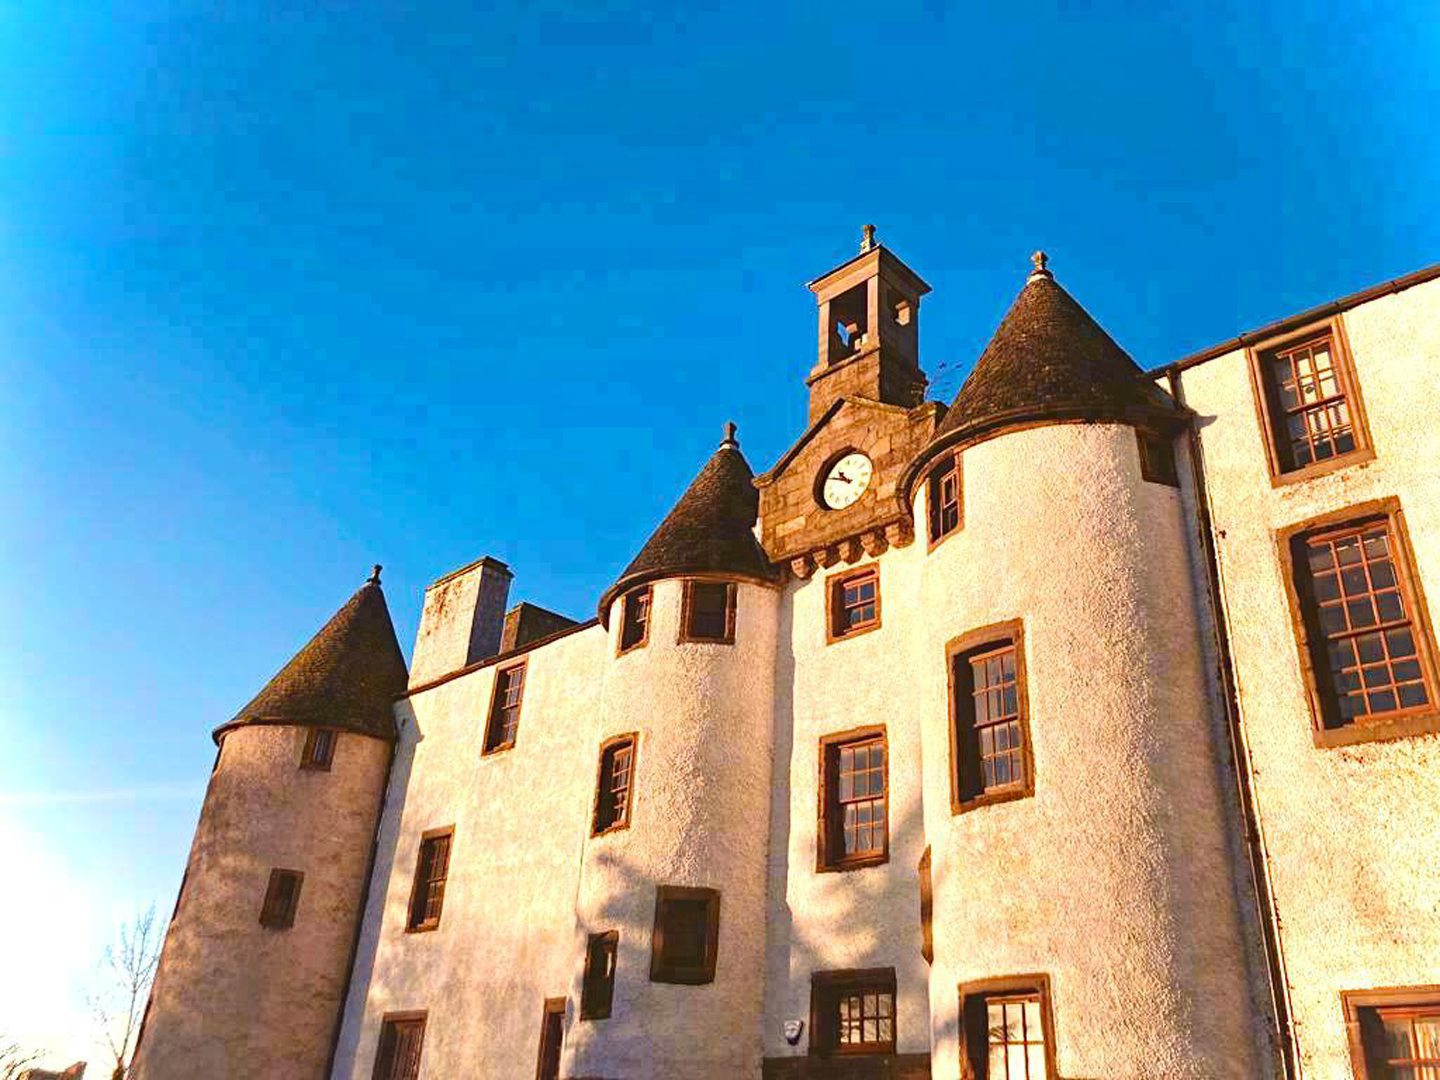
(401, 1038)
(991, 759)
(319, 749)
(504, 721)
(944, 498)
(686, 935)
(432, 867)
(927, 909)
(282, 899)
(853, 1012)
(854, 603)
(597, 992)
(612, 796)
(709, 612)
(635, 619)
(854, 825)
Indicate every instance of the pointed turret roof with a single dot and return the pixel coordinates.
(710, 530)
(347, 676)
(1049, 360)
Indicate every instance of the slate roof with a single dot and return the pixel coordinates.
(709, 531)
(1049, 360)
(347, 676)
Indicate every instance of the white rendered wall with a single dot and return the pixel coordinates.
(863, 918)
(1351, 833)
(701, 801)
(506, 935)
(234, 1000)
(1115, 877)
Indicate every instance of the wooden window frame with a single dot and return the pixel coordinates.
(606, 747)
(1011, 631)
(1259, 354)
(825, 860)
(663, 972)
(392, 1018)
(493, 744)
(685, 637)
(597, 990)
(308, 760)
(1037, 984)
(630, 597)
(835, 585)
(427, 925)
(927, 907)
(1420, 720)
(554, 1006)
(933, 480)
(826, 988)
(272, 916)
(1167, 470)
(1355, 1002)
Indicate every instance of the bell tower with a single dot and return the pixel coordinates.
(869, 331)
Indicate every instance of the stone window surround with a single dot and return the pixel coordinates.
(1012, 631)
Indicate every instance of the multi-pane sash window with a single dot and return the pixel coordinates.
(319, 749)
(398, 1057)
(992, 758)
(853, 1011)
(854, 602)
(1394, 1034)
(597, 992)
(432, 866)
(612, 796)
(282, 897)
(944, 498)
(854, 825)
(635, 619)
(1312, 416)
(709, 612)
(1368, 643)
(1006, 1030)
(686, 935)
(505, 709)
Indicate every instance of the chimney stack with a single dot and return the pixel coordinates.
(460, 624)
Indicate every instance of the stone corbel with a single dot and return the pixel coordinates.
(802, 566)
(874, 542)
(900, 533)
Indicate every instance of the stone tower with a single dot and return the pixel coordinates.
(256, 960)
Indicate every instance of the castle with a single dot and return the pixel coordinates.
(1085, 728)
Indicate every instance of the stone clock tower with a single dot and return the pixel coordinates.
(834, 496)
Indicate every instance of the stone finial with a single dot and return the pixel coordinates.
(867, 238)
(730, 440)
(1042, 263)
(374, 575)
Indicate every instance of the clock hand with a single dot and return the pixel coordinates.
(842, 478)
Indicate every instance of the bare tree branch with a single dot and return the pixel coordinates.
(14, 1061)
(126, 972)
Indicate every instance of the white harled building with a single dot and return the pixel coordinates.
(1084, 729)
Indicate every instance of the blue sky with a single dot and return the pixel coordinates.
(286, 290)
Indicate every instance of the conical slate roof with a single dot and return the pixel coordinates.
(708, 532)
(1049, 360)
(347, 676)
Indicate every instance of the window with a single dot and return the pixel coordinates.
(552, 1039)
(398, 1058)
(1157, 458)
(598, 990)
(432, 866)
(854, 827)
(709, 612)
(505, 709)
(944, 498)
(1394, 1034)
(687, 933)
(990, 750)
(282, 897)
(1310, 402)
(852, 1012)
(854, 602)
(319, 749)
(1007, 1030)
(635, 619)
(927, 909)
(1364, 630)
(612, 792)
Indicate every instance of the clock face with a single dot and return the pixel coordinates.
(846, 481)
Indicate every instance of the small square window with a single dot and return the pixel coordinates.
(708, 612)
(686, 936)
(612, 792)
(504, 721)
(854, 602)
(432, 867)
(597, 992)
(854, 823)
(282, 898)
(319, 749)
(635, 619)
(852, 1012)
(1007, 1029)
(398, 1056)
(1157, 459)
(944, 498)
(1394, 1034)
